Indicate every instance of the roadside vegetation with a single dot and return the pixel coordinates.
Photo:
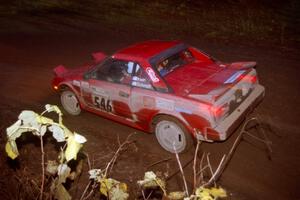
(58, 176)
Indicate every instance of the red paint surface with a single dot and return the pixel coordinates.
(122, 109)
(144, 50)
(195, 121)
(98, 56)
(145, 116)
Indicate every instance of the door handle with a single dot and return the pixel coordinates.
(123, 94)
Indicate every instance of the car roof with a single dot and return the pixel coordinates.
(144, 50)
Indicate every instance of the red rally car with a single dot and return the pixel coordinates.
(166, 87)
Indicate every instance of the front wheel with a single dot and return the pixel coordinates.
(70, 102)
(172, 135)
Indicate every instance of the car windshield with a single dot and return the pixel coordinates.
(179, 59)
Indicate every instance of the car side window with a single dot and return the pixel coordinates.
(115, 71)
(140, 78)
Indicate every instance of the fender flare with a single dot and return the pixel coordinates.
(177, 117)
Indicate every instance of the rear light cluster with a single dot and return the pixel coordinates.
(248, 78)
(238, 91)
(219, 111)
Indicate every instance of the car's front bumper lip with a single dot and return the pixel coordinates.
(230, 123)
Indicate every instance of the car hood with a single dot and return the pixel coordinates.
(202, 78)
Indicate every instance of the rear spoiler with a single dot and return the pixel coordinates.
(242, 65)
(212, 96)
(60, 70)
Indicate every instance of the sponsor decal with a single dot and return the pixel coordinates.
(152, 75)
(85, 85)
(235, 76)
(102, 103)
(76, 83)
(164, 104)
(238, 95)
(148, 102)
(99, 91)
(183, 110)
(140, 82)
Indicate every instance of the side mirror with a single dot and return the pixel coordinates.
(86, 76)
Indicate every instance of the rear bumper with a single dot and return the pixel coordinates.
(223, 130)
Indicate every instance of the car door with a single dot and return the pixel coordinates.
(143, 103)
(108, 89)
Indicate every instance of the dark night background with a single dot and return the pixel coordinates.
(35, 36)
(266, 20)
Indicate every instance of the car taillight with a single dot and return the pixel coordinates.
(253, 79)
(249, 78)
(219, 111)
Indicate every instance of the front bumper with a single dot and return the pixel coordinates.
(223, 130)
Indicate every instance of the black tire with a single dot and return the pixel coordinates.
(172, 135)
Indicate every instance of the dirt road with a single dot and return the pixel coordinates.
(27, 60)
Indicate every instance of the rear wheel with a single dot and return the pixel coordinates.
(172, 135)
(70, 102)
